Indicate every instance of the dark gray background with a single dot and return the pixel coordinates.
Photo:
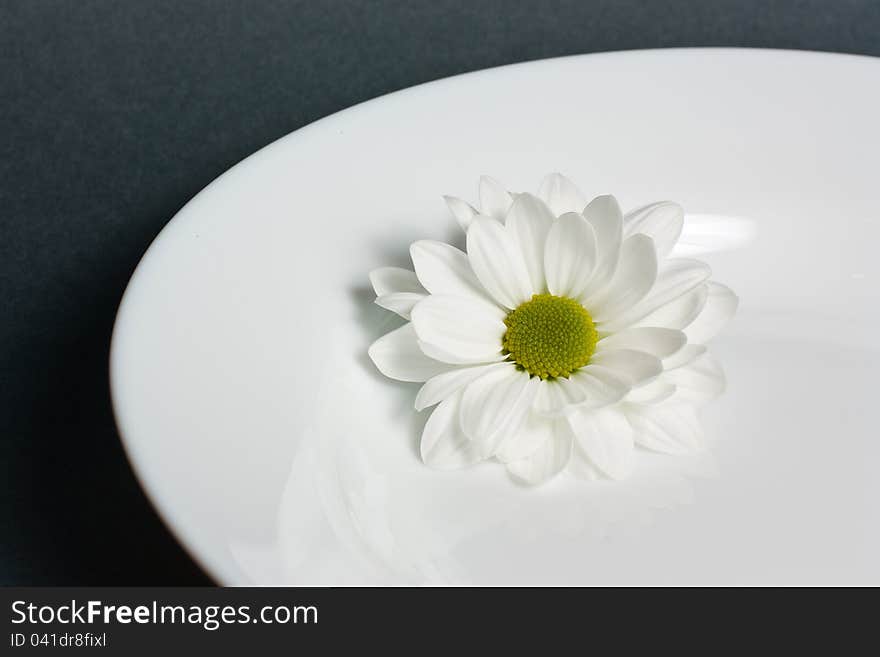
(114, 114)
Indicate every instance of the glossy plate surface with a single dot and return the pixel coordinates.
(278, 455)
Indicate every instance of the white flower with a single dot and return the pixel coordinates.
(564, 336)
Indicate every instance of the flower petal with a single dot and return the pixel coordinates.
(438, 388)
(561, 195)
(651, 393)
(677, 277)
(635, 275)
(569, 255)
(548, 460)
(697, 382)
(394, 280)
(720, 306)
(401, 303)
(659, 342)
(556, 395)
(581, 467)
(495, 200)
(463, 211)
(397, 289)
(531, 436)
(443, 269)
(444, 445)
(660, 221)
(529, 221)
(684, 356)
(398, 356)
(679, 312)
(603, 214)
(498, 262)
(668, 428)
(461, 328)
(634, 367)
(495, 405)
(606, 438)
(601, 386)
(589, 387)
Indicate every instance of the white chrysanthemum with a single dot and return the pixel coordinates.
(564, 336)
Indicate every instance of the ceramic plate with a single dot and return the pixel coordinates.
(278, 455)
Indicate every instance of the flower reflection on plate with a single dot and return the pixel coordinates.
(277, 453)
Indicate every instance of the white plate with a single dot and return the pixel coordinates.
(277, 454)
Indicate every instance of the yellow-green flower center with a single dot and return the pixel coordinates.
(550, 336)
